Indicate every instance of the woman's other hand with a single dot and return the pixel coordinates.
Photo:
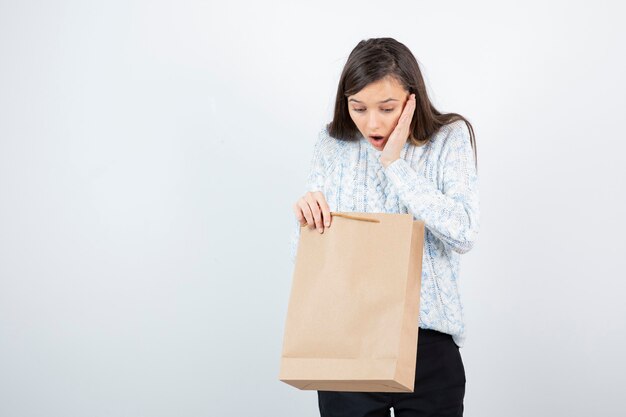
(312, 210)
(400, 134)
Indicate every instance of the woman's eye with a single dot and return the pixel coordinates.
(384, 110)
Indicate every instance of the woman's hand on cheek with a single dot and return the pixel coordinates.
(400, 134)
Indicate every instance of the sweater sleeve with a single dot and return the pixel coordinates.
(451, 214)
(314, 182)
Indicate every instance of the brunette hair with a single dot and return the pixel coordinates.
(374, 59)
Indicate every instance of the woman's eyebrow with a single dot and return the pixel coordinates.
(383, 101)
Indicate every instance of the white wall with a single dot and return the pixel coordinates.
(150, 153)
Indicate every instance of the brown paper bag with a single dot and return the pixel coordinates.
(353, 313)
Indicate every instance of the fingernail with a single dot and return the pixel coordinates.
(320, 230)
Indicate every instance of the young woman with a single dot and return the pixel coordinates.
(389, 150)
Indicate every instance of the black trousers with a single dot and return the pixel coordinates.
(439, 386)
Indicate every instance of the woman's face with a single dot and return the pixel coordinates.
(376, 109)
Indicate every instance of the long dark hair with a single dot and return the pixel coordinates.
(374, 59)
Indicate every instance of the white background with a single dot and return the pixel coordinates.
(150, 153)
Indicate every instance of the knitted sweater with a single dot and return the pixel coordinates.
(436, 183)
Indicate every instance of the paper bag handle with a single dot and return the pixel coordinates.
(349, 216)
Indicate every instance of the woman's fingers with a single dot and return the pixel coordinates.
(324, 207)
(312, 210)
(400, 133)
(306, 213)
(299, 215)
(311, 200)
(407, 114)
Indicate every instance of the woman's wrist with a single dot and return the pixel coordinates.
(386, 161)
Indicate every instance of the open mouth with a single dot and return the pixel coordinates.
(377, 138)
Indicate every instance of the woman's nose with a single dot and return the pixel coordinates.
(372, 121)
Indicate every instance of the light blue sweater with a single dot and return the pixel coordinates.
(436, 183)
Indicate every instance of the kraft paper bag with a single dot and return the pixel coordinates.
(353, 313)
